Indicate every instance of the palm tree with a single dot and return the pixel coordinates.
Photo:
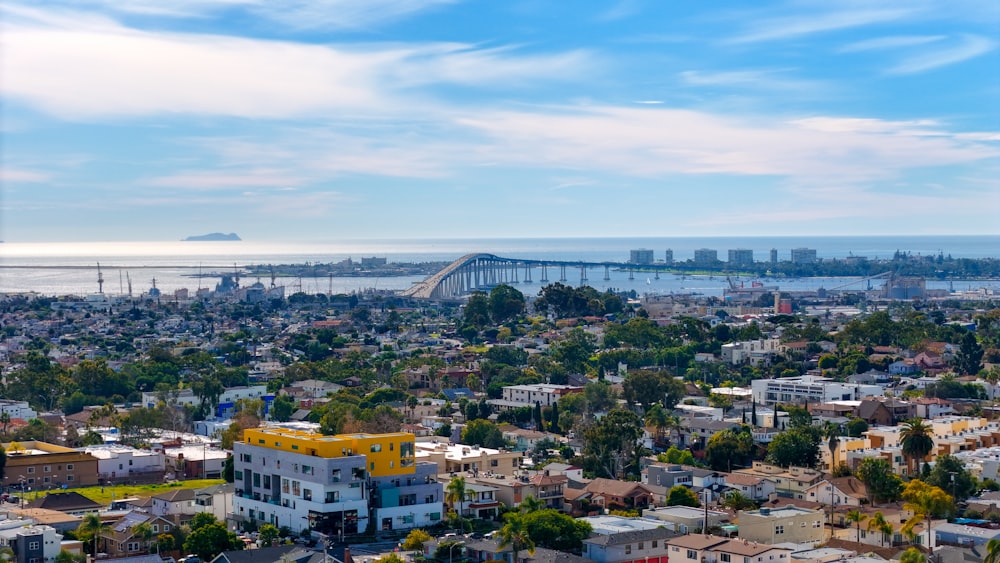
(672, 424)
(917, 440)
(857, 517)
(514, 533)
(832, 432)
(143, 532)
(530, 504)
(992, 551)
(456, 492)
(880, 524)
(736, 500)
(91, 525)
(657, 418)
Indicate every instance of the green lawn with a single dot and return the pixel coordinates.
(104, 494)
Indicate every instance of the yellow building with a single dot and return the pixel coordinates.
(387, 454)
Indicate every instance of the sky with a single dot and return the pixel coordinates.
(312, 120)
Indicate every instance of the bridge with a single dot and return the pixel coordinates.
(477, 272)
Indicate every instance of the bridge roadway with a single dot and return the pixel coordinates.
(473, 272)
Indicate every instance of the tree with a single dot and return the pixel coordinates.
(881, 481)
(202, 519)
(657, 418)
(456, 492)
(91, 528)
(483, 433)
(165, 542)
(282, 408)
(879, 524)
(611, 442)
(832, 433)
(913, 555)
(992, 551)
(925, 501)
(857, 517)
(728, 446)
(736, 500)
(798, 417)
(950, 474)
(416, 539)
(505, 303)
(268, 534)
(229, 469)
(209, 540)
(143, 532)
(63, 557)
(856, 427)
(798, 447)
(680, 495)
(553, 529)
(969, 360)
(917, 440)
(530, 504)
(514, 533)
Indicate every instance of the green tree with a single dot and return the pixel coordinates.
(143, 532)
(798, 447)
(556, 530)
(416, 539)
(482, 432)
(950, 474)
(611, 442)
(736, 500)
(879, 524)
(882, 483)
(992, 551)
(857, 517)
(914, 555)
(209, 540)
(514, 533)
(856, 427)
(282, 408)
(165, 542)
(202, 519)
(477, 311)
(456, 494)
(505, 303)
(268, 534)
(727, 447)
(917, 440)
(680, 495)
(969, 360)
(90, 529)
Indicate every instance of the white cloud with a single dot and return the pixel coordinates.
(892, 42)
(17, 176)
(95, 67)
(228, 180)
(771, 29)
(968, 47)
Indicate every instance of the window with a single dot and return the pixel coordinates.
(69, 467)
(156, 528)
(133, 546)
(33, 545)
(372, 466)
(47, 468)
(31, 470)
(295, 488)
(640, 545)
(655, 543)
(692, 554)
(628, 548)
(69, 477)
(725, 558)
(267, 481)
(376, 448)
(391, 446)
(284, 486)
(307, 494)
(256, 479)
(295, 446)
(166, 527)
(779, 529)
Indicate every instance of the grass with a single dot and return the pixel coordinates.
(103, 495)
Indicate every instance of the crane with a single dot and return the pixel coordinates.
(100, 279)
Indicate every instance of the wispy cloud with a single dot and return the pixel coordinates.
(968, 47)
(86, 68)
(228, 180)
(892, 42)
(768, 79)
(300, 14)
(19, 176)
(771, 29)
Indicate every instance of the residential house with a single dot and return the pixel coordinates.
(840, 491)
(746, 551)
(216, 500)
(685, 519)
(755, 488)
(549, 489)
(178, 503)
(120, 540)
(885, 411)
(32, 543)
(460, 458)
(788, 482)
(648, 546)
(611, 494)
(694, 548)
(785, 524)
(667, 475)
(71, 503)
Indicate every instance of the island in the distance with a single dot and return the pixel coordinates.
(213, 237)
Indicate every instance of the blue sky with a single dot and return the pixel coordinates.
(307, 120)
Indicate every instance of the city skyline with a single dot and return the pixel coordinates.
(447, 118)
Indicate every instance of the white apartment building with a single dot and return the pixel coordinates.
(116, 462)
(545, 394)
(230, 395)
(17, 409)
(809, 388)
(750, 351)
(32, 543)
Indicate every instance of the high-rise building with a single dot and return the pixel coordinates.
(803, 255)
(668, 256)
(641, 256)
(740, 257)
(339, 485)
(705, 257)
(774, 255)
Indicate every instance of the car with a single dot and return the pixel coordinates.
(476, 535)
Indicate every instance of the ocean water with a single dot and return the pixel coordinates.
(71, 267)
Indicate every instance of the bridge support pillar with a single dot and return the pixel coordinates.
(562, 272)
(527, 273)
(545, 274)
(583, 275)
(631, 274)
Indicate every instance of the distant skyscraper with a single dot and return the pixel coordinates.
(668, 256)
(803, 255)
(705, 256)
(740, 257)
(641, 256)
(774, 255)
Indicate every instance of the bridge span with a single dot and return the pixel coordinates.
(475, 272)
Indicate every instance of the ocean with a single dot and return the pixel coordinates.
(70, 268)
